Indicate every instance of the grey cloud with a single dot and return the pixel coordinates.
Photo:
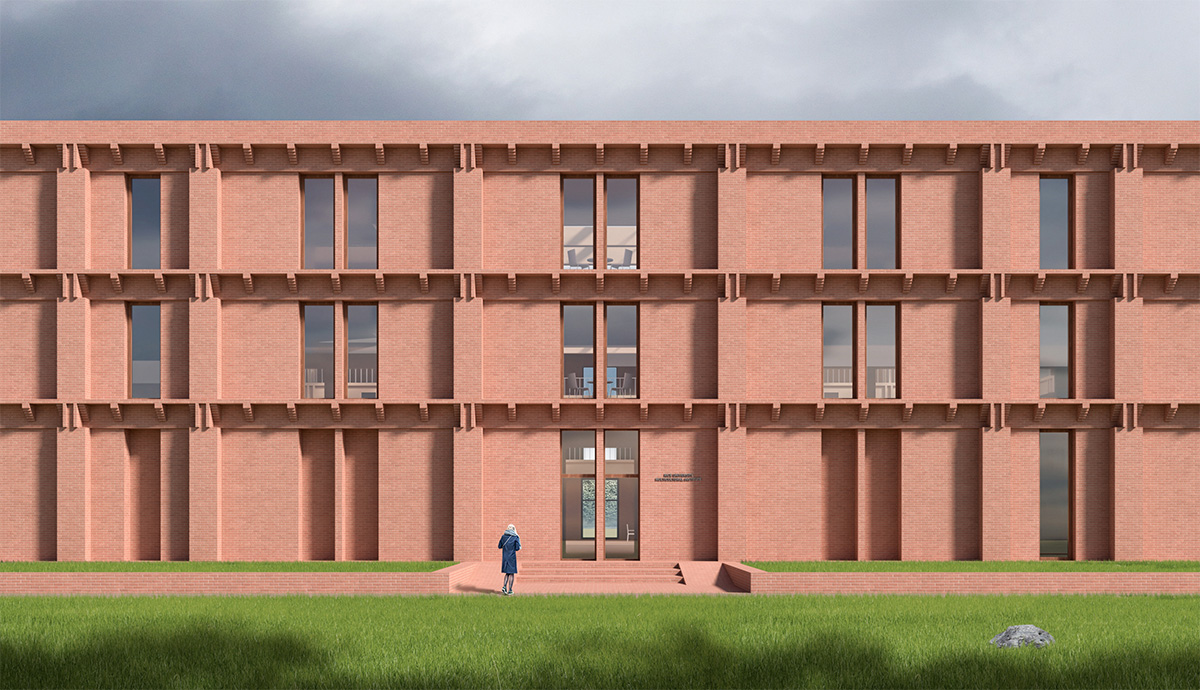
(585, 60)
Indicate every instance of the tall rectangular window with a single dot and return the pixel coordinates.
(1055, 494)
(837, 325)
(1055, 220)
(578, 494)
(882, 216)
(362, 222)
(837, 212)
(362, 336)
(145, 336)
(621, 202)
(318, 222)
(621, 494)
(318, 351)
(621, 321)
(579, 350)
(579, 222)
(1055, 350)
(145, 222)
(882, 381)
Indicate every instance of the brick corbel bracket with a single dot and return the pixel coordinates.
(951, 153)
(380, 156)
(687, 412)
(160, 154)
(335, 410)
(115, 150)
(1169, 155)
(863, 151)
(292, 415)
(512, 412)
(160, 282)
(379, 416)
(906, 415)
(643, 412)
(599, 155)
(951, 412)
(687, 154)
(908, 153)
(248, 412)
(776, 411)
(1039, 153)
(643, 154)
(1039, 412)
(27, 410)
(555, 154)
(335, 151)
(1081, 155)
(776, 153)
(423, 153)
(1170, 412)
(27, 281)
(293, 158)
(160, 412)
(115, 279)
(819, 413)
(819, 155)
(213, 152)
(84, 157)
(687, 283)
(599, 412)
(422, 411)
(27, 151)
(248, 154)
(555, 412)
(248, 283)
(115, 410)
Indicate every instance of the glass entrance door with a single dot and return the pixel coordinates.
(579, 494)
(621, 528)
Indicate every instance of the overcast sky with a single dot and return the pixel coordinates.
(638, 59)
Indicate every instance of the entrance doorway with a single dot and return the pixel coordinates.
(588, 504)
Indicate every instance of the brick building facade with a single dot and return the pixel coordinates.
(323, 383)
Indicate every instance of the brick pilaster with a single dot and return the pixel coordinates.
(731, 493)
(468, 494)
(74, 521)
(996, 490)
(204, 493)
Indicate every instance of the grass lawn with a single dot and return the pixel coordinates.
(221, 566)
(596, 642)
(975, 566)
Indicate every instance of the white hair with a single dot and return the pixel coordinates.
(511, 527)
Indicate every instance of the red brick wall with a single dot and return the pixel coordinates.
(142, 498)
(1171, 495)
(416, 495)
(28, 230)
(522, 222)
(939, 221)
(28, 339)
(110, 496)
(882, 502)
(678, 519)
(1093, 351)
(1093, 220)
(261, 215)
(783, 224)
(173, 189)
(940, 495)
(1025, 527)
(28, 488)
(839, 481)
(678, 221)
(416, 350)
(522, 485)
(1093, 491)
(1171, 350)
(260, 480)
(175, 340)
(261, 350)
(416, 221)
(939, 350)
(316, 493)
(1171, 221)
(173, 496)
(110, 222)
(678, 350)
(1026, 224)
(785, 506)
(781, 362)
(110, 350)
(362, 494)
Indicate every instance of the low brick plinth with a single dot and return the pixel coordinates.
(762, 582)
(233, 583)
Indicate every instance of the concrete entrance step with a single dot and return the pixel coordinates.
(632, 572)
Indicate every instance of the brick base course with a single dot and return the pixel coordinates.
(761, 582)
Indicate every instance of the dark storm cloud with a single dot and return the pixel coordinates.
(599, 60)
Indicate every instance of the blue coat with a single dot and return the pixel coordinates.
(509, 545)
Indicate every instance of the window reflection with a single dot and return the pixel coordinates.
(362, 351)
(362, 222)
(881, 222)
(579, 218)
(1055, 221)
(318, 222)
(579, 351)
(837, 323)
(146, 350)
(1055, 494)
(1055, 351)
(578, 494)
(881, 351)
(621, 320)
(621, 203)
(837, 209)
(145, 222)
(318, 351)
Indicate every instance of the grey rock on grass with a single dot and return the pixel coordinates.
(1021, 636)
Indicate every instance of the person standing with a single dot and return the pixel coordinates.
(510, 544)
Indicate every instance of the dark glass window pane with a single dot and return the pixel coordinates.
(318, 222)
(1055, 497)
(362, 217)
(318, 351)
(881, 351)
(622, 230)
(838, 219)
(579, 452)
(1055, 352)
(1055, 223)
(146, 350)
(579, 351)
(579, 217)
(622, 324)
(145, 223)
(881, 222)
(837, 323)
(361, 351)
